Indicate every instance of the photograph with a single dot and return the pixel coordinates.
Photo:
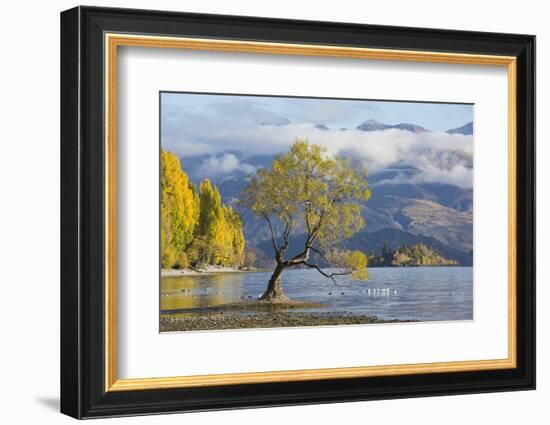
(279, 211)
(285, 210)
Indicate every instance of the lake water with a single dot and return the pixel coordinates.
(403, 293)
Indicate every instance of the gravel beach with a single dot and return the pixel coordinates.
(203, 271)
(272, 320)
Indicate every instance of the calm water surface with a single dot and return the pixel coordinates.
(413, 293)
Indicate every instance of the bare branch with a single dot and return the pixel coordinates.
(273, 239)
(331, 276)
(307, 210)
(318, 251)
(289, 222)
(313, 235)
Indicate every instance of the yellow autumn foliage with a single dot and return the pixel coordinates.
(196, 228)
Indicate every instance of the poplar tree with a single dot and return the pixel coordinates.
(179, 208)
(196, 228)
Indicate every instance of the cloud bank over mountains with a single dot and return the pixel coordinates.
(442, 157)
(225, 136)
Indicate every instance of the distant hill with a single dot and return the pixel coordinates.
(261, 258)
(445, 194)
(410, 256)
(374, 242)
(466, 129)
(321, 127)
(410, 127)
(373, 125)
(421, 217)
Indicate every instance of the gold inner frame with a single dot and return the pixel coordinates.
(113, 41)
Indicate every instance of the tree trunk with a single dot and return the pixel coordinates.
(274, 289)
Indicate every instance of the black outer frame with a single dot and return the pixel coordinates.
(82, 206)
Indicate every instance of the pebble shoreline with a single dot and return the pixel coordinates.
(272, 320)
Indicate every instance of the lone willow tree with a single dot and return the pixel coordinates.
(308, 192)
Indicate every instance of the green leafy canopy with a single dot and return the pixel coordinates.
(308, 189)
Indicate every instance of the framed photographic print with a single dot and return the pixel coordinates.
(261, 212)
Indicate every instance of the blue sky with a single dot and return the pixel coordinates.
(334, 113)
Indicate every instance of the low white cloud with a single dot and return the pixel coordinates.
(459, 175)
(217, 165)
(441, 157)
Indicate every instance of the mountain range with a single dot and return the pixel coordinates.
(373, 125)
(404, 208)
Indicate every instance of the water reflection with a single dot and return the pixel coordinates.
(420, 293)
(188, 292)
